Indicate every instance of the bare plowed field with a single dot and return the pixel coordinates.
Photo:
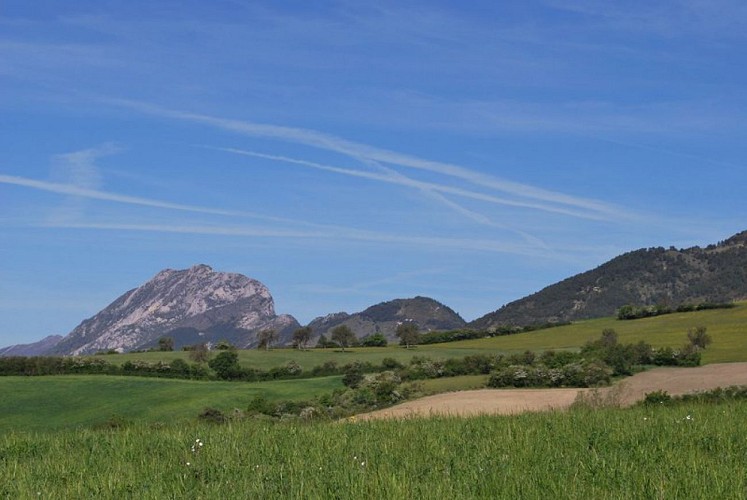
(508, 401)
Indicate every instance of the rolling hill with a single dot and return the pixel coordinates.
(649, 276)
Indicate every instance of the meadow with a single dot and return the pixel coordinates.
(83, 436)
(309, 358)
(725, 326)
(69, 401)
(682, 451)
(55, 402)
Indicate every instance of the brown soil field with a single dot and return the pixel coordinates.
(675, 381)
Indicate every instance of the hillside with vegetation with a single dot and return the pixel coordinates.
(172, 386)
(650, 276)
(428, 314)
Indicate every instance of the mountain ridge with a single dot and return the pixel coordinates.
(647, 276)
(384, 317)
(199, 304)
(235, 308)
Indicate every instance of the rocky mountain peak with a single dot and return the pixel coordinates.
(191, 305)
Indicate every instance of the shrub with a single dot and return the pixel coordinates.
(112, 423)
(224, 345)
(511, 376)
(166, 344)
(425, 367)
(353, 375)
(212, 415)
(384, 385)
(293, 368)
(558, 359)
(375, 340)
(226, 365)
(199, 353)
(596, 373)
(657, 398)
(698, 337)
(179, 367)
(328, 368)
(478, 364)
(391, 364)
(260, 405)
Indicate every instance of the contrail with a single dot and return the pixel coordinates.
(363, 151)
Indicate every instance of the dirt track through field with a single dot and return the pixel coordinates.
(675, 381)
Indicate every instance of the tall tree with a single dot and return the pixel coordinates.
(199, 353)
(698, 337)
(343, 335)
(266, 338)
(408, 333)
(226, 365)
(166, 344)
(302, 336)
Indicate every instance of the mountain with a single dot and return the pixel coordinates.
(36, 349)
(383, 318)
(651, 276)
(190, 305)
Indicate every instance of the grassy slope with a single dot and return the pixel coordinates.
(310, 358)
(41, 403)
(634, 453)
(53, 402)
(727, 327)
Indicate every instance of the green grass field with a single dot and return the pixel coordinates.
(695, 451)
(308, 359)
(53, 443)
(727, 327)
(54, 402)
(450, 384)
(68, 401)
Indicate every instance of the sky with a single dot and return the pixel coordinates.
(349, 153)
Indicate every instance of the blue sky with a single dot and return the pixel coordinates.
(345, 153)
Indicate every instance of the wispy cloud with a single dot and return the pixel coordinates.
(359, 151)
(425, 186)
(82, 192)
(79, 169)
(341, 234)
(314, 231)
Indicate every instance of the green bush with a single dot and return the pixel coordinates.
(353, 376)
(226, 365)
(657, 398)
(213, 416)
(391, 364)
(375, 340)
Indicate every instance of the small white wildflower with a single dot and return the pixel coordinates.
(188, 464)
(363, 464)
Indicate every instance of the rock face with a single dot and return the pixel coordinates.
(649, 276)
(191, 305)
(383, 318)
